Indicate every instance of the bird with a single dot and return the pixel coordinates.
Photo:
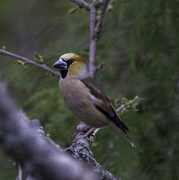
(84, 97)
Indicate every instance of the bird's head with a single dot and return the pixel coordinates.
(70, 64)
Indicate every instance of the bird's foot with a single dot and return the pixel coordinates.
(86, 135)
(81, 130)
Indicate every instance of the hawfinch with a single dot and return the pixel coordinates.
(84, 97)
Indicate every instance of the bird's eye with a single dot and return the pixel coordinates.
(71, 61)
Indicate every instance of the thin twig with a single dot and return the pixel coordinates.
(28, 61)
(121, 107)
(98, 27)
(19, 172)
(29, 178)
(82, 4)
(95, 131)
(100, 66)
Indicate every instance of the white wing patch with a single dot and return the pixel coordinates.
(93, 98)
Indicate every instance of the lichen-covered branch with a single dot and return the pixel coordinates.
(38, 158)
(80, 150)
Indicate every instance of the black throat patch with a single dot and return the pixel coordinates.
(64, 73)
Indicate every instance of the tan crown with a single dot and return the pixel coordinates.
(77, 67)
(74, 56)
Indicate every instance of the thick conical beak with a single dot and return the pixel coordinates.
(60, 64)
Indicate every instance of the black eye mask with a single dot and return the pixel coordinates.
(64, 72)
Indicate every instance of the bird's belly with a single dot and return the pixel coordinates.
(77, 98)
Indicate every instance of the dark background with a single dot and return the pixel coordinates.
(139, 45)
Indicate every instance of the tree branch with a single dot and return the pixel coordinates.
(98, 27)
(82, 4)
(17, 137)
(80, 150)
(38, 158)
(95, 29)
(19, 172)
(93, 41)
(28, 61)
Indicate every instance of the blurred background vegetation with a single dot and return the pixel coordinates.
(139, 45)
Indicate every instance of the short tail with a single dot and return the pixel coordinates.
(128, 138)
(122, 132)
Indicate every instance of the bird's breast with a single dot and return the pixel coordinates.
(77, 97)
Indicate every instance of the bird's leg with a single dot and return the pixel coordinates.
(87, 130)
(81, 130)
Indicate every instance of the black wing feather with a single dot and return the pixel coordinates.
(99, 94)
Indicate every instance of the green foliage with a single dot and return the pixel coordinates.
(21, 63)
(74, 10)
(139, 46)
(38, 58)
(125, 105)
